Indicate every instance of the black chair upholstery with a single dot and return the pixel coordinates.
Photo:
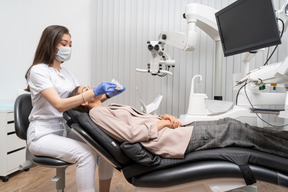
(22, 110)
(145, 170)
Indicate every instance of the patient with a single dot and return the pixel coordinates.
(165, 136)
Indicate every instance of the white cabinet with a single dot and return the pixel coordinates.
(12, 148)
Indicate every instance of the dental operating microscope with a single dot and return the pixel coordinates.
(249, 99)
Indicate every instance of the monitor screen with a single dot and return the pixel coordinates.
(247, 25)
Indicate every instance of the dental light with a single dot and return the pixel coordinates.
(196, 15)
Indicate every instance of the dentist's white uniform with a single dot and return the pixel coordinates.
(48, 134)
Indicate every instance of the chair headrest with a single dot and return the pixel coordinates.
(71, 116)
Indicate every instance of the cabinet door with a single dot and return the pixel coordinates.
(10, 122)
(12, 148)
(14, 143)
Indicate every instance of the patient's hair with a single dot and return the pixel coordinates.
(80, 107)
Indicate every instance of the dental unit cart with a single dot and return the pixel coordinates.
(12, 149)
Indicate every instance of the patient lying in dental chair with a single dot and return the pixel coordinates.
(165, 136)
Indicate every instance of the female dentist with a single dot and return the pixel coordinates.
(50, 85)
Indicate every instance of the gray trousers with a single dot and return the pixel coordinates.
(229, 132)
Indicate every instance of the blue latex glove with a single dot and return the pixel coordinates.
(115, 92)
(104, 88)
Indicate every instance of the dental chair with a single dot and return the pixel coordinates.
(22, 109)
(216, 170)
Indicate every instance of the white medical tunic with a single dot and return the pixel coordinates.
(41, 77)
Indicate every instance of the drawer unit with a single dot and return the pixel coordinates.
(12, 149)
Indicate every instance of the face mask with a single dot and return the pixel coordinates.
(64, 53)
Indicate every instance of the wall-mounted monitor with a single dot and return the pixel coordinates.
(247, 25)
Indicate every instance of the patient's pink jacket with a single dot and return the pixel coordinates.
(124, 123)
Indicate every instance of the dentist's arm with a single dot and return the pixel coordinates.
(64, 104)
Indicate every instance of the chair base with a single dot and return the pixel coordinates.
(209, 185)
(60, 178)
(26, 165)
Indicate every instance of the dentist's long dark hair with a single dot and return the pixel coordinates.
(46, 50)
